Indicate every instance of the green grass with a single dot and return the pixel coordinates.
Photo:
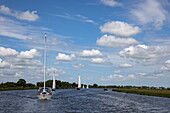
(150, 92)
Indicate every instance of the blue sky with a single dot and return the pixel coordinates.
(108, 42)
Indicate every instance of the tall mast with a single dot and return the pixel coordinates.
(45, 55)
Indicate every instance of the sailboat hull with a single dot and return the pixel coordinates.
(44, 97)
(53, 89)
(78, 88)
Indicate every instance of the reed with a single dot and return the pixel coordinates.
(150, 92)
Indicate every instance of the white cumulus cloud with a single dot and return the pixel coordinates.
(27, 15)
(112, 41)
(7, 52)
(150, 12)
(119, 28)
(145, 52)
(111, 3)
(4, 64)
(98, 60)
(125, 65)
(65, 57)
(166, 67)
(33, 53)
(91, 53)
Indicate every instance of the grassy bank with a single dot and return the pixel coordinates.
(150, 92)
(16, 88)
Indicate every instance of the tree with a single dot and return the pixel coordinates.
(21, 82)
(95, 85)
(30, 85)
(74, 85)
(9, 84)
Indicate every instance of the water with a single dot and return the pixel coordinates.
(81, 101)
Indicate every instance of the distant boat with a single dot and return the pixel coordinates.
(87, 87)
(105, 89)
(53, 87)
(83, 87)
(79, 83)
(44, 93)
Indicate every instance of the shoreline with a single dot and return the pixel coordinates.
(148, 92)
(24, 88)
(16, 88)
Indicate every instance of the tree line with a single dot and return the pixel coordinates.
(59, 84)
(66, 85)
(19, 83)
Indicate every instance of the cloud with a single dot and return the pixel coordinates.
(30, 33)
(7, 52)
(117, 77)
(117, 71)
(27, 15)
(98, 60)
(111, 3)
(145, 52)
(119, 28)
(4, 64)
(167, 66)
(24, 32)
(57, 72)
(78, 66)
(167, 62)
(91, 53)
(21, 63)
(125, 65)
(13, 66)
(78, 17)
(112, 41)
(150, 12)
(32, 53)
(65, 57)
(18, 74)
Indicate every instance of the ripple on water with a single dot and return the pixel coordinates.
(84, 101)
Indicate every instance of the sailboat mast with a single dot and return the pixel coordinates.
(45, 55)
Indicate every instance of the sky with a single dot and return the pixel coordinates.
(107, 42)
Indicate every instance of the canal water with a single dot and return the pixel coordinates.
(81, 101)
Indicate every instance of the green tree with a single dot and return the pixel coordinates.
(9, 84)
(21, 82)
(95, 85)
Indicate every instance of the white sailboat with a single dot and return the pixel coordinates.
(53, 87)
(87, 87)
(79, 83)
(83, 86)
(44, 93)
